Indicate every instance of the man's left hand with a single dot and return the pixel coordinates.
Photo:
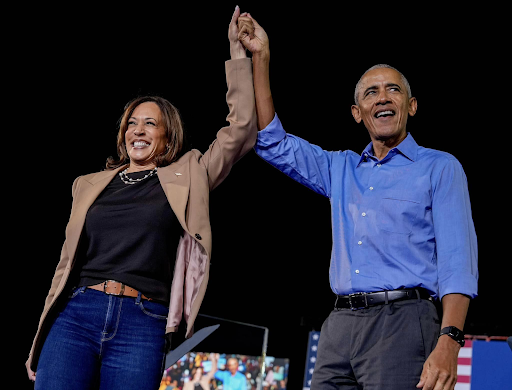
(440, 369)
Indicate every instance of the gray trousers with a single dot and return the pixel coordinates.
(379, 348)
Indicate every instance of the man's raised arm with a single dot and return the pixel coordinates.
(255, 39)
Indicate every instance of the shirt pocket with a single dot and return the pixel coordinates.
(397, 212)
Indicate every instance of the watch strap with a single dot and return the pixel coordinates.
(455, 333)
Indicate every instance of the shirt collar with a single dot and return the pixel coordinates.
(408, 147)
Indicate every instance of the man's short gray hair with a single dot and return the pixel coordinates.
(404, 80)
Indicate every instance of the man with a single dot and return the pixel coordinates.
(403, 237)
(232, 379)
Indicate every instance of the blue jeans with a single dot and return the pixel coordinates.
(102, 341)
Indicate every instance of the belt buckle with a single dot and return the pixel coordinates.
(352, 307)
(114, 281)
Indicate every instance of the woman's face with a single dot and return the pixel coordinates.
(199, 373)
(145, 136)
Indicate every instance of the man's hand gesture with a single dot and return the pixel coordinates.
(252, 35)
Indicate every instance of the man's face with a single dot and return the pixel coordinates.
(232, 365)
(383, 104)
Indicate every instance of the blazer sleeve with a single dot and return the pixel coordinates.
(63, 263)
(236, 139)
(62, 266)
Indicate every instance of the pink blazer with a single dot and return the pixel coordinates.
(186, 183)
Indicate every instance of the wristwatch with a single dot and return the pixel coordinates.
(454, 333)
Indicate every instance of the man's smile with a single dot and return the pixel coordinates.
(383, 113)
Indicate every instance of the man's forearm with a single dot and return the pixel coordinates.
(455, 309)
(264, 102)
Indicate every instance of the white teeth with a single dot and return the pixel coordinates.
(389, 112)
(140, 144)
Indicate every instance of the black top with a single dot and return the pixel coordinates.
(131, 235)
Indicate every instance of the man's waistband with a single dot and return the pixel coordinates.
(364, 300)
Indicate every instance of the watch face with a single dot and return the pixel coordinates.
(457, 335)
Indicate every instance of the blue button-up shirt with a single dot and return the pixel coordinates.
(232, 382)
(401, 222)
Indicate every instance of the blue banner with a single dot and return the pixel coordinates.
(314, 337)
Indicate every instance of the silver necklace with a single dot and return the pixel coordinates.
(127, 180)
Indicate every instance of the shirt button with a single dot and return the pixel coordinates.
(357, 271)
(379, 165)
(363, 214)
(371, 188)
(359, 243)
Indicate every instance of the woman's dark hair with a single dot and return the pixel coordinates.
(194, 370)
(173, 126)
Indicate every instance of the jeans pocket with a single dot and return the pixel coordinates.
(154, 309)
(75, 291)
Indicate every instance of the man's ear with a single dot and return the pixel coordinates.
(413, 106)
(356, 113)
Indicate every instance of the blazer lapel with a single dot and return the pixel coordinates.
(175, 181)
(84, 198)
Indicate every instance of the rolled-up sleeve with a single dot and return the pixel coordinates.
(306, 163)
(456, 242)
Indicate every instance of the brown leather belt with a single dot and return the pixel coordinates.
(111, 287)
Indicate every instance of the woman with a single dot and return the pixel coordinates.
(200, 381)
(138, 245)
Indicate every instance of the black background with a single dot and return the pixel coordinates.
(71, 71)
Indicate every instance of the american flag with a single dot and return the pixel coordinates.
(463, 366)
(311, 359)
